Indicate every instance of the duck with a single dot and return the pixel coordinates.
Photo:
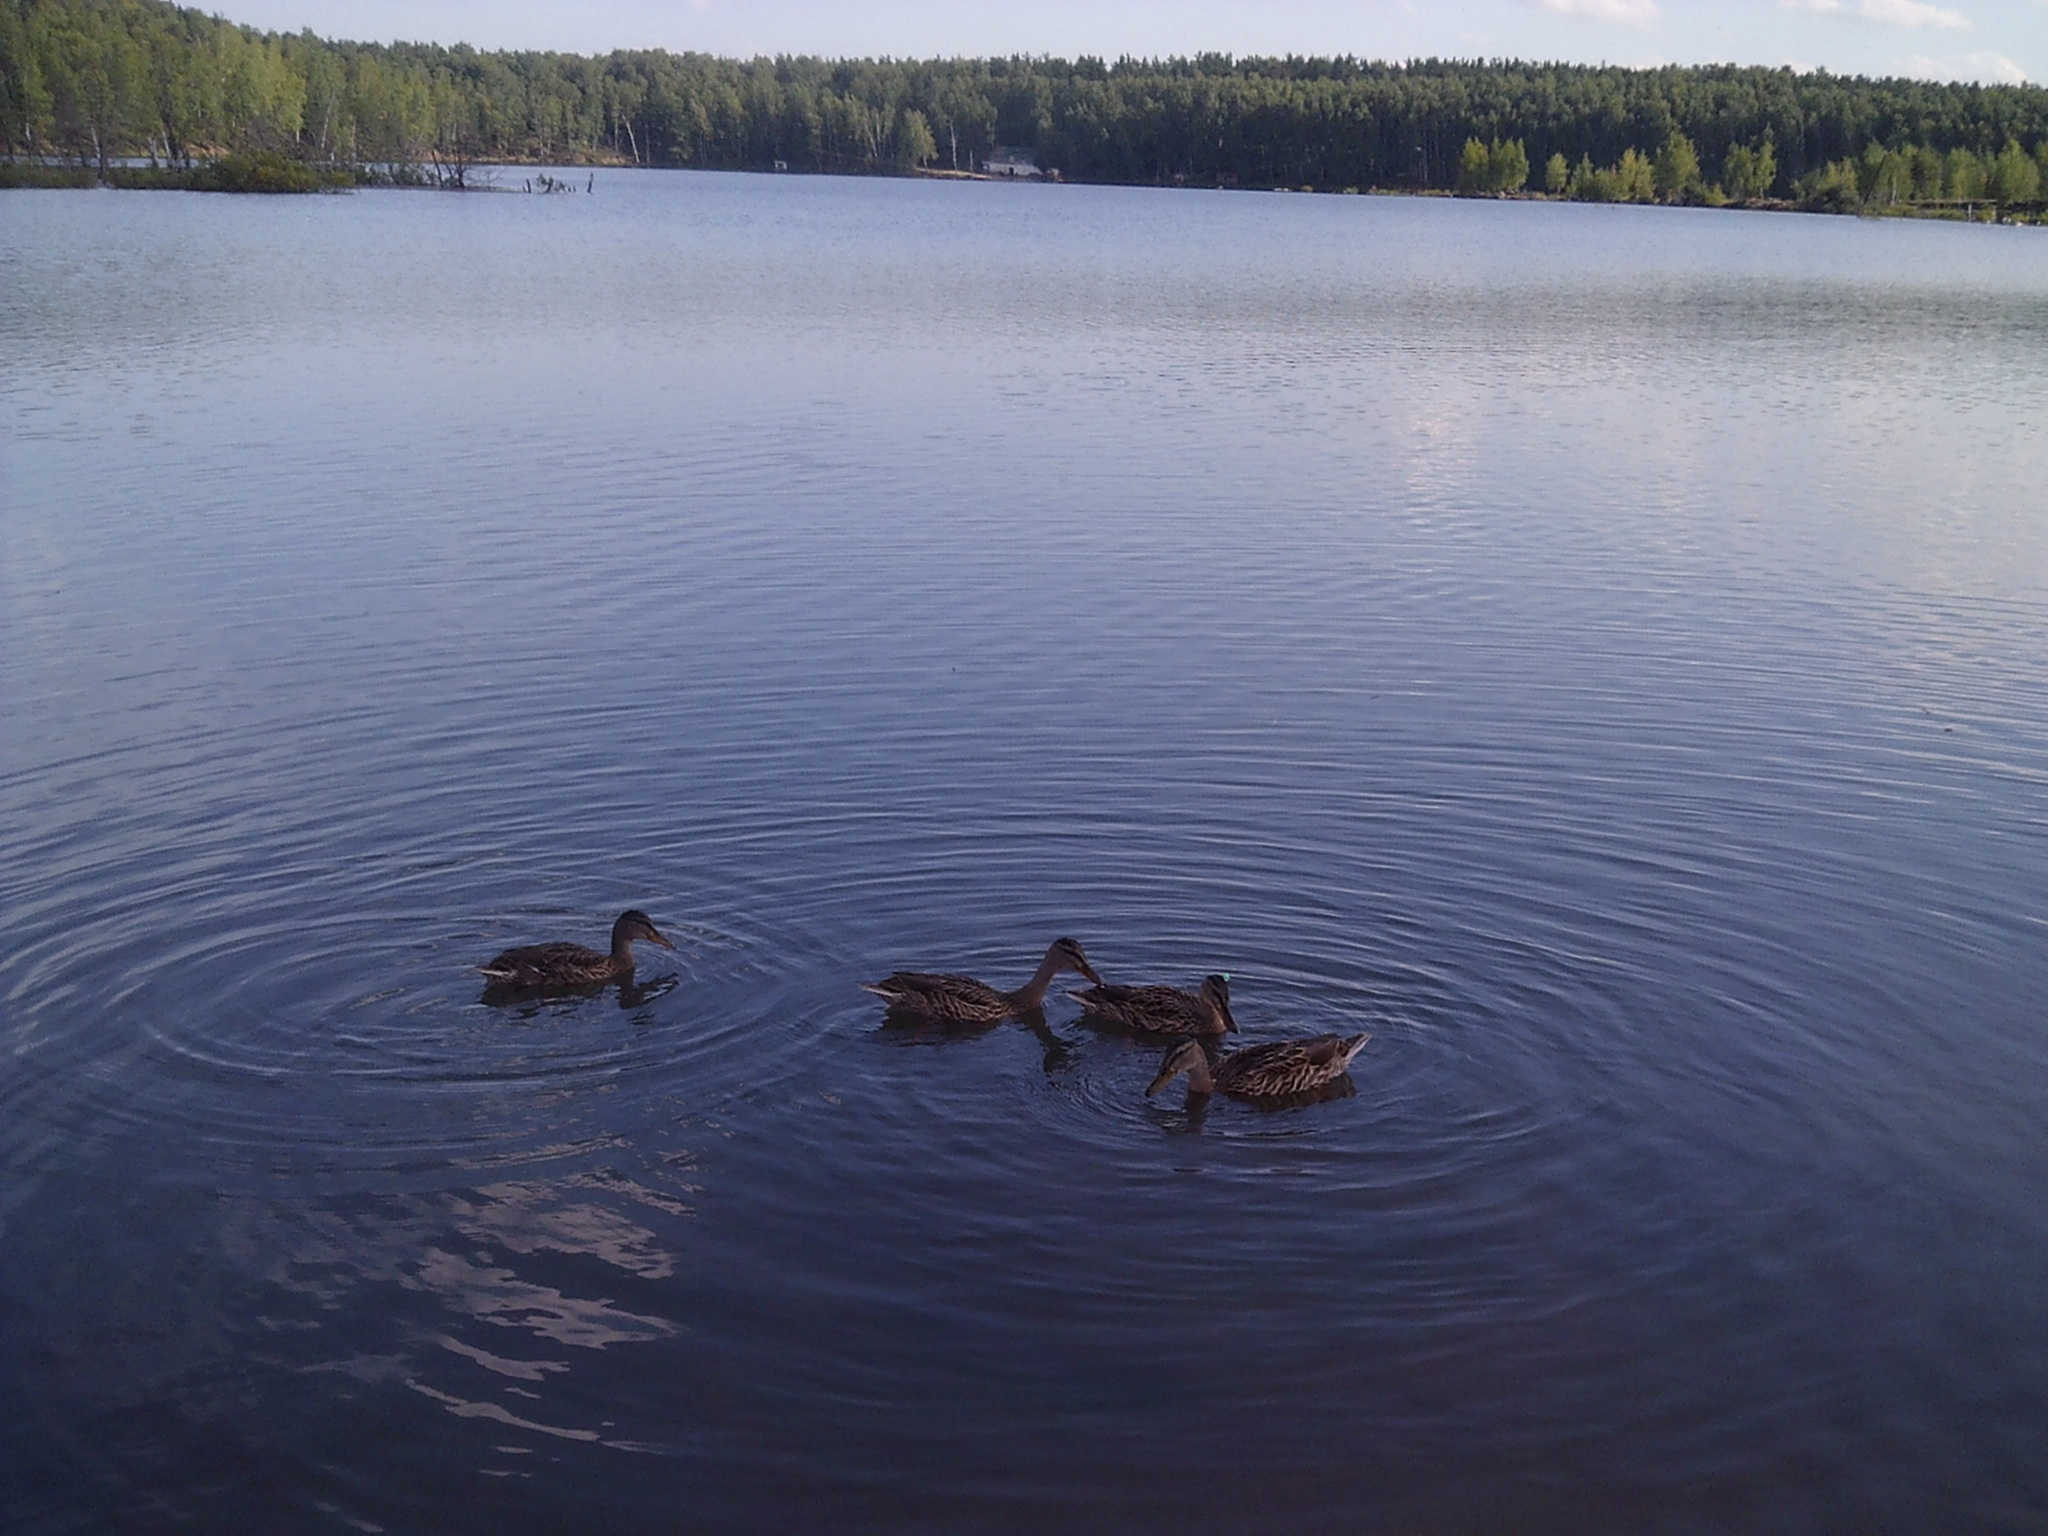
(1163, 1010)
(963, 1000)
(535, 966)
(1277, 1069)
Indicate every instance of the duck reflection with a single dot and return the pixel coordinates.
(633, 995)
(530, 1004)
(1189, 1117)
(902, 1026)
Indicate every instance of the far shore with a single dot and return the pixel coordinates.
(276, 174)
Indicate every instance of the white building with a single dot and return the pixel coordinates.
(1010, 162)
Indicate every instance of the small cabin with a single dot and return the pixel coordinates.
(1012, 163)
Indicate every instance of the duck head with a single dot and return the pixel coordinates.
(634, 924)
(1066, 955)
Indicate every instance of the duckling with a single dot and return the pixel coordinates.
(1274, 1070)
(1163, 1010)
(535, 966)
(963, 1000)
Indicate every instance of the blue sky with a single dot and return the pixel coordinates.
(1988, 40)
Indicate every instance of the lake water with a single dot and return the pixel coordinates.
(1599, 651)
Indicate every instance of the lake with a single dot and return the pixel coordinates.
(1598, 651)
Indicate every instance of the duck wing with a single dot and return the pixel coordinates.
(540, 964)
(1281, 1067)
(939, 995)
(1162, 1010)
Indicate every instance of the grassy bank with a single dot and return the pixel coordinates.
(231, 173)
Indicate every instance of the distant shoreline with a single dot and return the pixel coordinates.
(100, 82)
(231, 175)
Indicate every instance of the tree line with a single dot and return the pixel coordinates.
(1881, 178)
(94, 81)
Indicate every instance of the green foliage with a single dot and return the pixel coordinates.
(1494, 167)
(2015, 178)
(1738, 173)
(28, 173)
(1557, 174)
(264, 171)
(1749, 174)
(1635, 178)
(1766, 172)
(261, 171)
(1884, 177)
(1835, 188)
(1930, 175)
(915, 145)
(1632, 179)
(1965, 176)
(1475, 168)
(1510, 166)
(1676, 173)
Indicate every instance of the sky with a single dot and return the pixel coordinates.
(1989, 40)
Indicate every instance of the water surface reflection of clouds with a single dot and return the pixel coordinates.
(472, 1257)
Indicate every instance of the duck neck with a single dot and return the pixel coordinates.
(1200, 1079)
(1032, 993)
(622, 951)
(1217, 1015)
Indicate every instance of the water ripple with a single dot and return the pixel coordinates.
(1615, 686)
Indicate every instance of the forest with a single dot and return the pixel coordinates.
(101, 85)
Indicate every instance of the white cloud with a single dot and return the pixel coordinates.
(1624, 13)
(1890, 13)
(1985, 68)
(1914, 13)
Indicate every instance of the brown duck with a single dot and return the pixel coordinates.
(1274, 1070)
(963, 1000)
(1163, 1010)
(533, 967)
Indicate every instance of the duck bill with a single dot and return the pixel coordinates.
(1089, 971)
(1229, 1020)
(656, 938)
(1161, 1081)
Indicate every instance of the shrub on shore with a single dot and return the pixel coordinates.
(259, 171)
(31, 173)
